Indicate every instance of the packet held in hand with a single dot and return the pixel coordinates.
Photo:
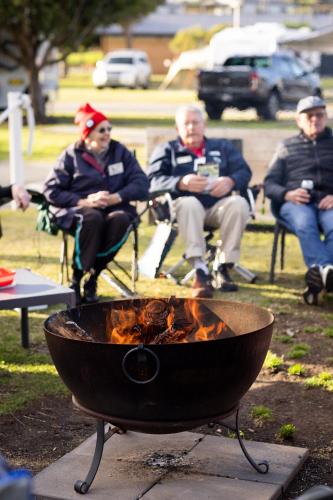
(208, 170)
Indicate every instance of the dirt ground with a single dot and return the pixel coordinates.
(52, 427)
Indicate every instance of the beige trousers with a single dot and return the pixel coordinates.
(229, 214)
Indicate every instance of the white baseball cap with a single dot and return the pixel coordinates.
(310, 102)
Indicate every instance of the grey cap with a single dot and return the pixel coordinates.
(310, 102)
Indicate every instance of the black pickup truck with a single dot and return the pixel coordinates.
(266, 83)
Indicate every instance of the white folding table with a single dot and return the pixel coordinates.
(31, 289)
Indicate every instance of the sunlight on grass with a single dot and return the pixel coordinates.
(28, 368)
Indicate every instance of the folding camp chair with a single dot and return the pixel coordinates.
(124, 282)
(166, 232)
(281, 228)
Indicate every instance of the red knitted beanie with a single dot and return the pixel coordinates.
(87, 118)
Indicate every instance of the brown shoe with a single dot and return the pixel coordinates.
(202, 287)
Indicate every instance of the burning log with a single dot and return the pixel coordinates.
(152, 321)
(165, 321)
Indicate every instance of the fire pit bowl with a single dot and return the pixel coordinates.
(164, 387)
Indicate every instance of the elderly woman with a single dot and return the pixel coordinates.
(90, 190)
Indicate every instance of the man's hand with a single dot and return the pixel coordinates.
(299, 196)
(20, 196)
(326, 203)
(222, 186)
(192, 182)
(101, 199)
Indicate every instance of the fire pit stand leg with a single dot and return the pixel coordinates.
(102, 436)
(261, 467)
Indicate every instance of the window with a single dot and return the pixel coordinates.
(121, 60)
(252, 61)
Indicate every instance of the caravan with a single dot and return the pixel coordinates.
(15, 78)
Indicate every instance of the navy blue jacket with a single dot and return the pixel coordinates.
(171, 161)
(5, 194)
(74, 178)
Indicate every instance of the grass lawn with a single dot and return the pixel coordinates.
(22, 246)
(28, 375)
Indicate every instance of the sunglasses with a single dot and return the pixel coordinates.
(104, 129)
(316, 114)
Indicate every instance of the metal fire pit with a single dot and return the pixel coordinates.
(159, 388)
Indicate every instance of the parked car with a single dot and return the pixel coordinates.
(123, 68)
(266, 83)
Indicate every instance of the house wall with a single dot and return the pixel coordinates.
(156, 48)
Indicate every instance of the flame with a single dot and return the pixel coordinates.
(162, 321)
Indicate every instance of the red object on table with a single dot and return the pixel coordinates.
(6, 276)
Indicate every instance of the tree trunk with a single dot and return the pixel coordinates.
(37, 99)
(128, 35)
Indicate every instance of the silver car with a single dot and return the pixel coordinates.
(123, 68)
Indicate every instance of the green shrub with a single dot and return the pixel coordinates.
(325, 376)
(232, 434)
(84, 58)
(312, 329)
(329, 385)
(298, 351)
(314, 381)
(287, 431)
(273, 362)
(297, 369)
(328, 332)
(285, 339)
(261, 413)
(324, 380)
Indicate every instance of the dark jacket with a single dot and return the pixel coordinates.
(299, 158)
(171, 161)
(74, 178)
(5, 194)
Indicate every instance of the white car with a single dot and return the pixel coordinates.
(123, 68)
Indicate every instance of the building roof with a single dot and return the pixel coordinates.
(166, 21)
(161, 23)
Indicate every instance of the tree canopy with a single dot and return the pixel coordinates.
(25, 26)
(193, 37)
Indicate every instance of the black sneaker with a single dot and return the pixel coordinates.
(223, 280)
(90, 289)
(202, 287)
(314, 281)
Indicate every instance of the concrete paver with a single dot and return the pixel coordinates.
(199, 487)
(201, 466)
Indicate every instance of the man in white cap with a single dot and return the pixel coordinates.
(200, 174)
(300, 184)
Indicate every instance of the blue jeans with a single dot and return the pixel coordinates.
(307, 222)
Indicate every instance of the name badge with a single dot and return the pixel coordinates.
(116, 168)
(183, 159)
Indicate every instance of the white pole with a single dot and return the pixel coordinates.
(15, 124)
(236, 15)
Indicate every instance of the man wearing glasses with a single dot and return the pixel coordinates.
(300, 184)
(90, 190)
